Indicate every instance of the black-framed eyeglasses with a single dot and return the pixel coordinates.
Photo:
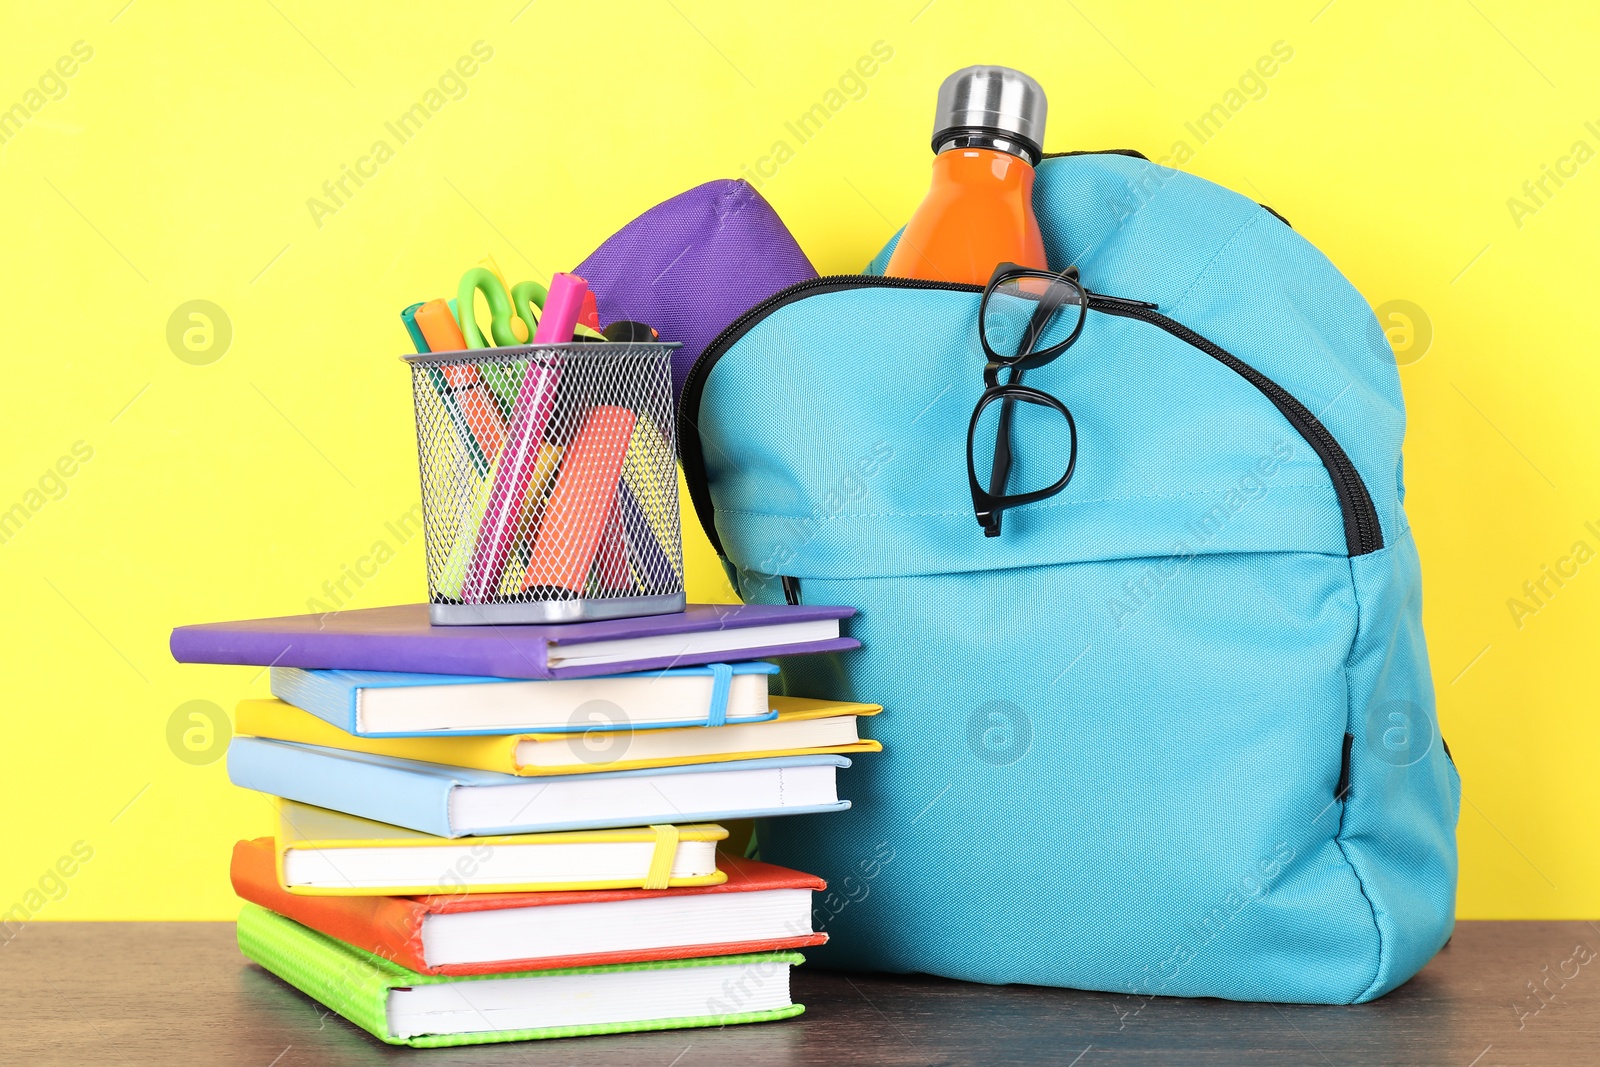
(1021, 306)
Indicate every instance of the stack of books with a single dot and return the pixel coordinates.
(505, 833)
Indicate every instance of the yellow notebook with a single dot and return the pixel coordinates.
(803, 728)
(328, 853)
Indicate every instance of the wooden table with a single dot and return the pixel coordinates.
(179, 993)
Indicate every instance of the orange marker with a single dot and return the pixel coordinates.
(440, 330)
(585, 492)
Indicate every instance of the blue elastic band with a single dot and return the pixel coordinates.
(721, 682)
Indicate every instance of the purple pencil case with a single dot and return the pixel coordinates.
(690, 265)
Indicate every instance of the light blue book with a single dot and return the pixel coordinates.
(457, 802)
(389, 704)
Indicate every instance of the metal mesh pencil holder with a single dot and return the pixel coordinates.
(549, 482)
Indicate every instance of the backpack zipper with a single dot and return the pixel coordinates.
(1362, 530)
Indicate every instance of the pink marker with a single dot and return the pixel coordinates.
(561, 310)
(536, 399)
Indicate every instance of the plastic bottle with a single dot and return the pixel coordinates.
(988, 133)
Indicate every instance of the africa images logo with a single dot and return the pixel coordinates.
(1399, 732)
(999, 733)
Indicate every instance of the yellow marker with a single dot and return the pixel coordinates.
(544, 471)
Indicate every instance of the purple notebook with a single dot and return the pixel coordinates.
(401, 639)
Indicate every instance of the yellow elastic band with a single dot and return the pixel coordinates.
(660, 873)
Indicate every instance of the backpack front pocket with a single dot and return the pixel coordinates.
(1155, 777)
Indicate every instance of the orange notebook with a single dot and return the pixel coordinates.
(760, 908)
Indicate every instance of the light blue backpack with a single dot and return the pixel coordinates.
(1171, 732)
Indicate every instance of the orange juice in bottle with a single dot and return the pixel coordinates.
(988, 134)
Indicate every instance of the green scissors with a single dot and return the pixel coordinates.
(525, 301)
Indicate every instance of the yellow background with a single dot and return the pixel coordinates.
(178, 165)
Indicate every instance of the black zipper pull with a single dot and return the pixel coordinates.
(791, 589)
(1100, 300)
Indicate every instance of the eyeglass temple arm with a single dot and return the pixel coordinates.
(1000, 472)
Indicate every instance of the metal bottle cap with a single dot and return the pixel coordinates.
(1004, 106)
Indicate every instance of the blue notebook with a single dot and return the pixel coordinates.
(391, 704)
(457, 802)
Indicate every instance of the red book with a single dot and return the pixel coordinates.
(760, 908)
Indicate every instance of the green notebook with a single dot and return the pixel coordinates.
(403, 1007)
